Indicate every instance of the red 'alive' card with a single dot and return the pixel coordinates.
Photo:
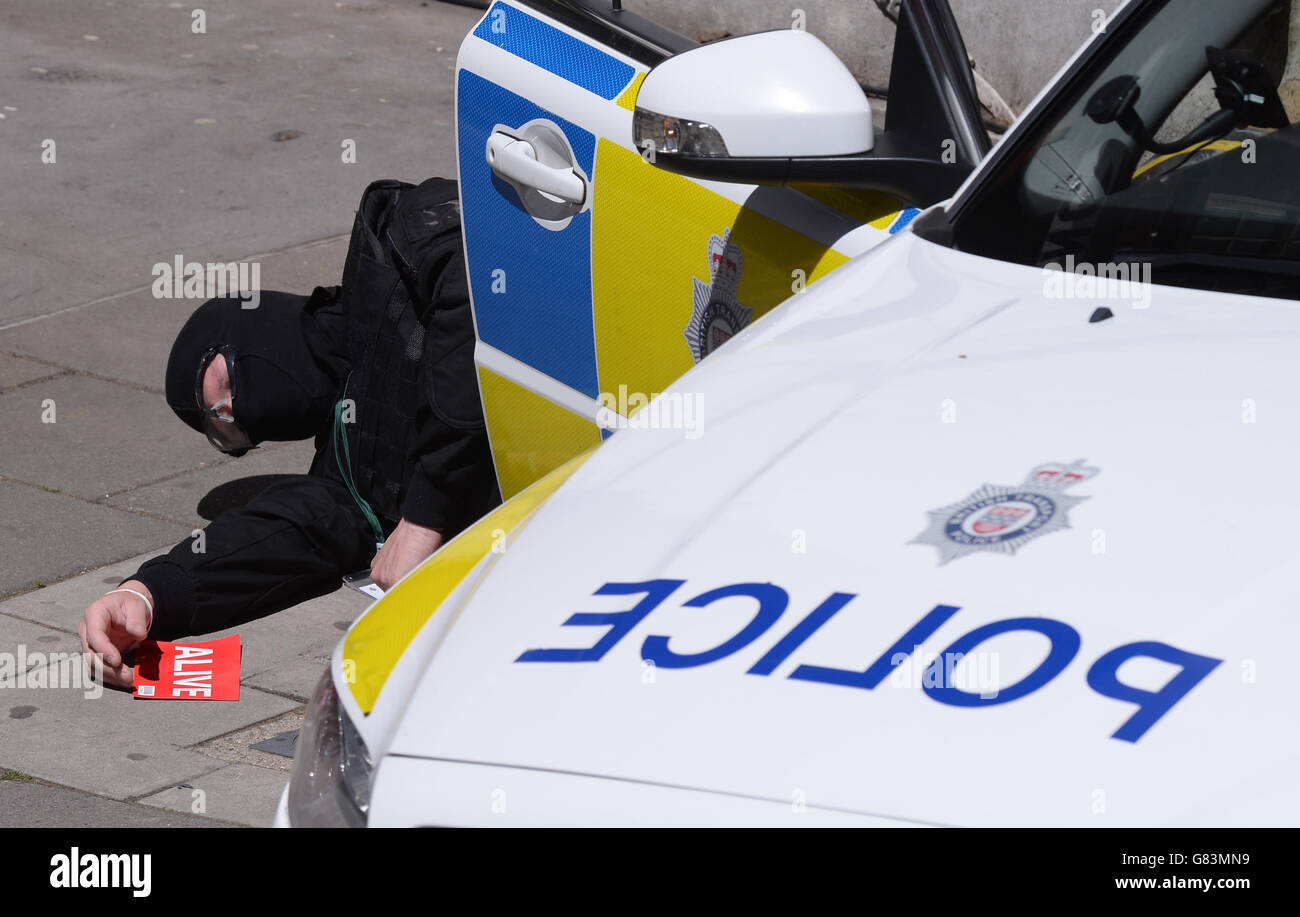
(188, 671)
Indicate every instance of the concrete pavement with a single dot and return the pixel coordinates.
(218, 145)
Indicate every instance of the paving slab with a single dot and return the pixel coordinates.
(129, 337)
(105, 437)
(15, 370)
(59, 606)
(294, 677)
(97, 743)
(37, 804)
(220, 144)
(47, 537)
(179, 498)
(242, 793)
(310, 628)
(25, 646)
(116, 745)
(286, 653)
(105, 761)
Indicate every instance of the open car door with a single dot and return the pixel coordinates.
(602, 269)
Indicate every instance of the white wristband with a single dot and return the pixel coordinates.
(144, 598)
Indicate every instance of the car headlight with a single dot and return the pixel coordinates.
(330, 784)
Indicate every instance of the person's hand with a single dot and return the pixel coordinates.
(402, 552)
(113, 625)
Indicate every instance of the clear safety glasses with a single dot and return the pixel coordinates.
(221, 429)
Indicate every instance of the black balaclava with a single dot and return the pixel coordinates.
(289, 371)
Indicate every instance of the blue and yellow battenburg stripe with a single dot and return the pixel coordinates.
(558, 52)
(604, 302)
(590, 323)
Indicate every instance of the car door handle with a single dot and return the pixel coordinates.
(515, 160)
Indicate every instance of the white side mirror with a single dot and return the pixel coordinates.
(768, 95)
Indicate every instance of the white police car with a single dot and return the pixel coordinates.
(986, 523)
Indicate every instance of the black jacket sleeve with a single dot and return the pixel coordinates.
(292, 542)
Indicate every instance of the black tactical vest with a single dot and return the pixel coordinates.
(405, 265)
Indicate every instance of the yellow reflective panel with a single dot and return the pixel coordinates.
(628, 98)
(378, 639)
(530, 435)
(659, 243)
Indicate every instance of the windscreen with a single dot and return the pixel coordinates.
(1178, 152)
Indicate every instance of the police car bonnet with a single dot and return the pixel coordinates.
(285, 379)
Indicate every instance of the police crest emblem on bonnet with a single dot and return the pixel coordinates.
(1002, 519)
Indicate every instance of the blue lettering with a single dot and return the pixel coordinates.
(618, 622)
(1065, 645)
(1151, 704)
(877, 671)
(772, 601)
(801, 632)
